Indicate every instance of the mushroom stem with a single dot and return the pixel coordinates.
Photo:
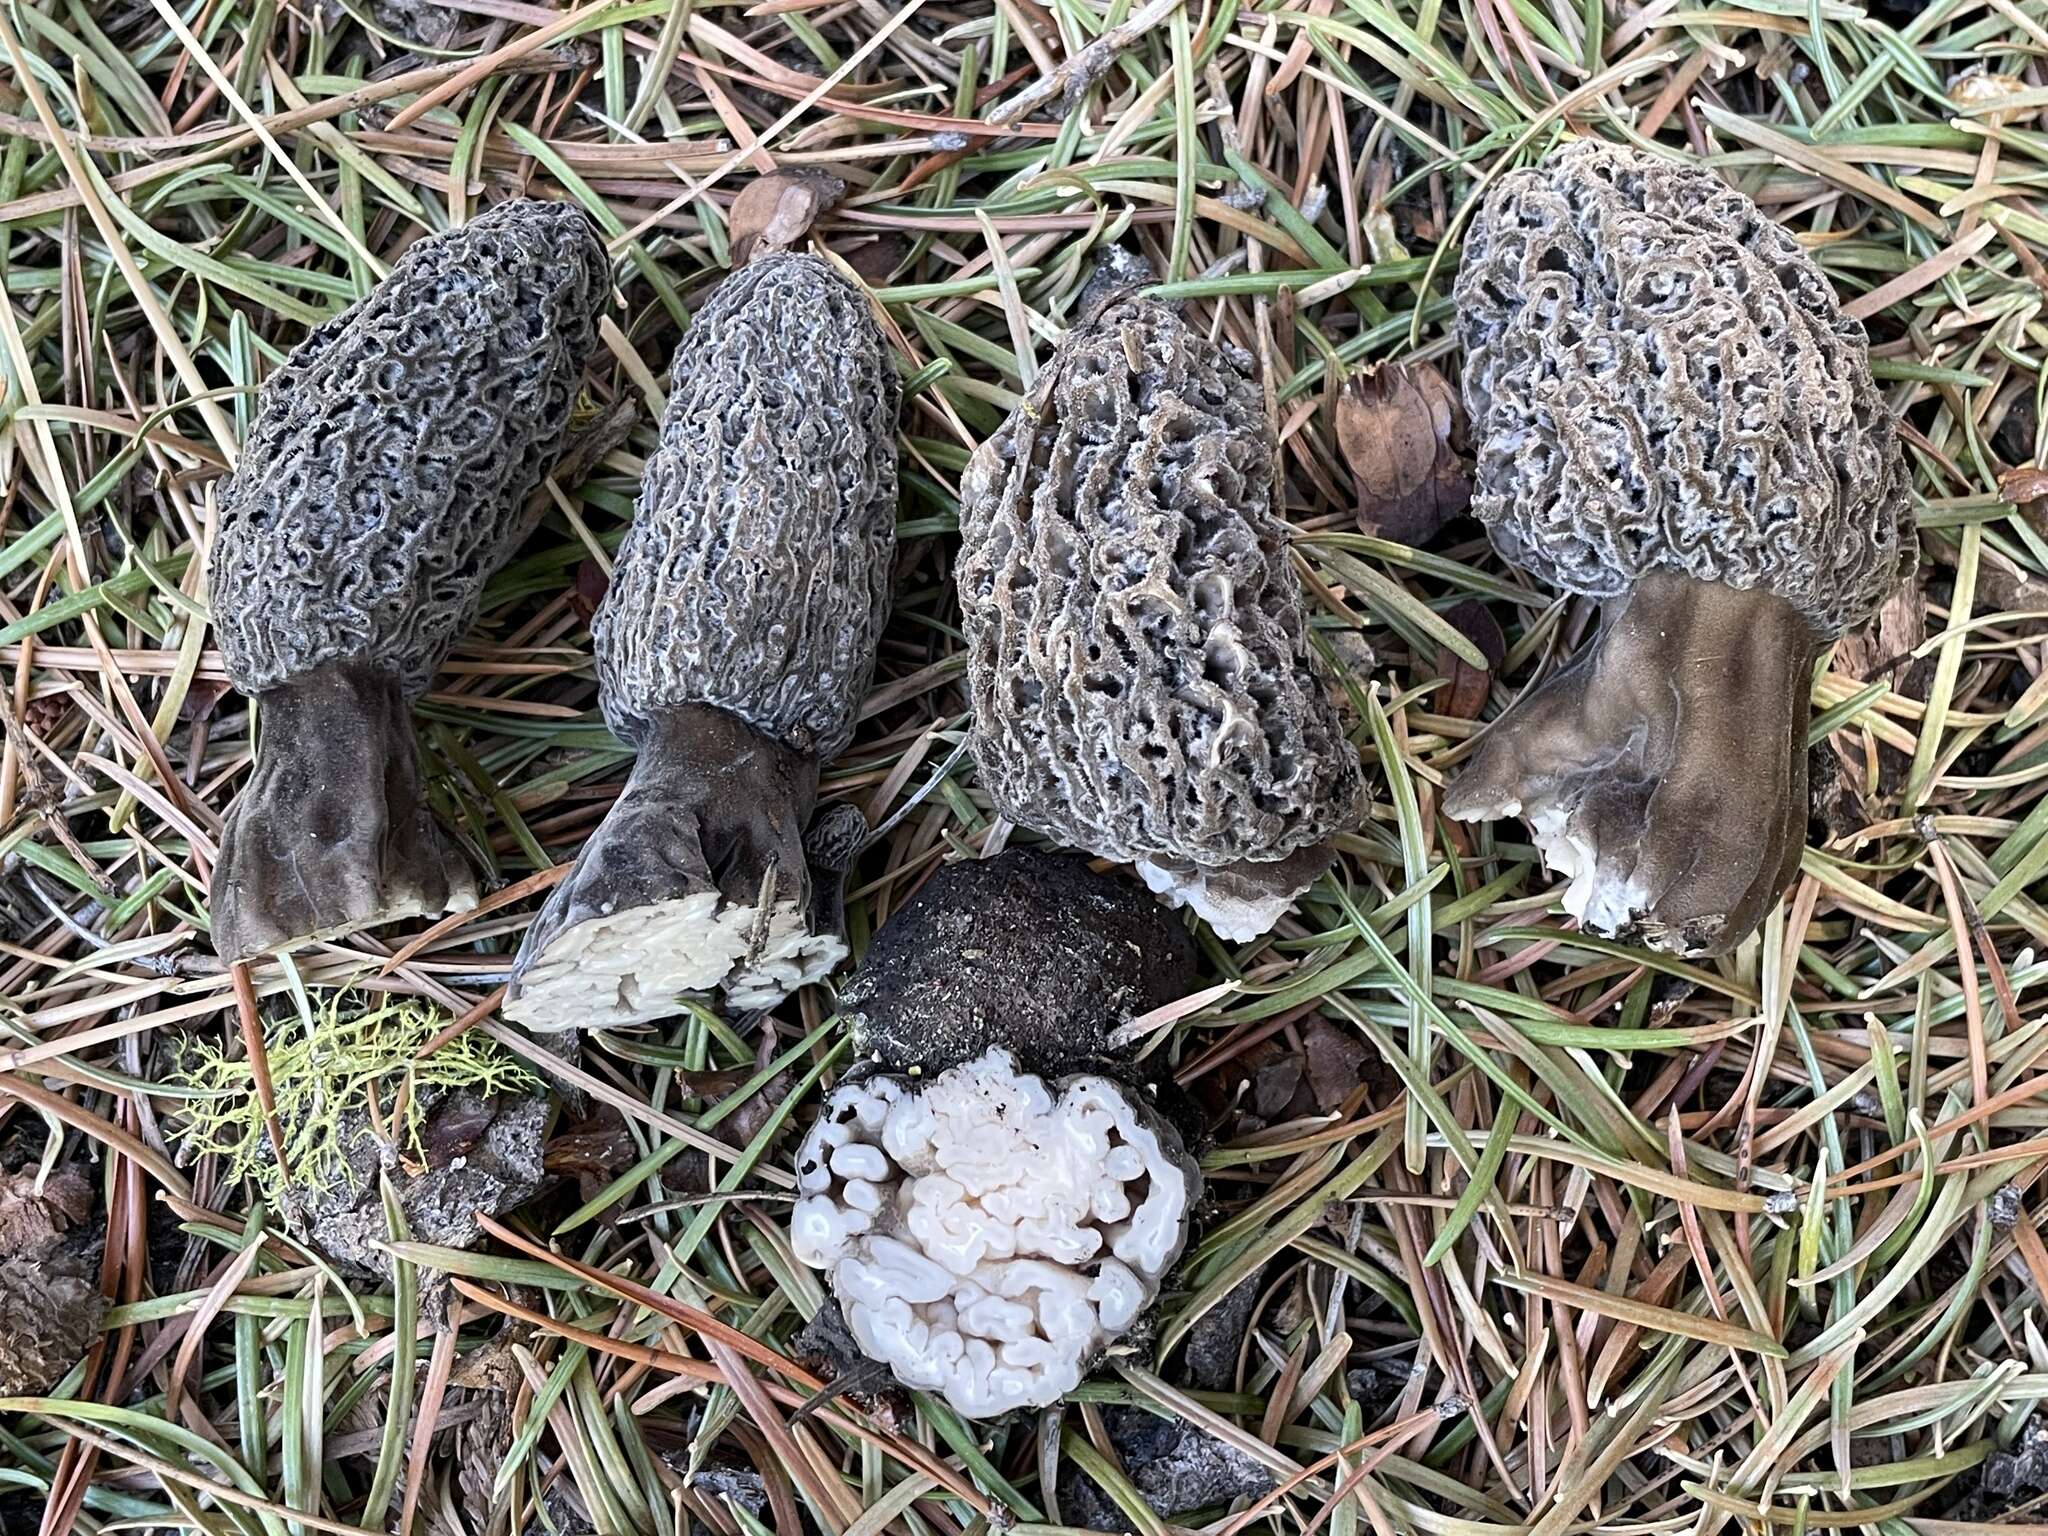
(332, 832)
(1664, 767)
(697, 879)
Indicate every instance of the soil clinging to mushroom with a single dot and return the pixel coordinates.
(1032, 951)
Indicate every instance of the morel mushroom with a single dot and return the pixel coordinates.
(734, 647)
(993, 1193)
(1676, 418)
(1138, 654)
(381, 484)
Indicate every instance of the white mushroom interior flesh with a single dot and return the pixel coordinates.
(632, 966)
(698, 879)
(1242, 900)
(1600, 903)
(988, 1233)
(1236, 919)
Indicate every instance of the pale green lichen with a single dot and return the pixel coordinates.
(348, 1059)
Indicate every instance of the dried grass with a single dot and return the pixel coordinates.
(1675, 1248)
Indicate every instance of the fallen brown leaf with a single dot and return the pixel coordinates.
(588, 593)
(2024, 484)
(776, 211)
(593, 1151)
(1336, 1062)
(1402, 432)
(1468, 686)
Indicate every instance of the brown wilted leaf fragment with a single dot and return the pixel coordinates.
(2023, 485)
(1838, 802)
(32, 1220)
(1886, 642)
(1336, 1062)
(201, 699)
(1468, 686)
(776, 211)
(593, 1151)
(875, 258)
(587, 595)
(1382, 233)
(1999, 98)
(491, 1367)
(455, 1127)
(1402, 432)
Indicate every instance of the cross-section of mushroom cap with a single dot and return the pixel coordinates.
(1031, 950)
(734, 647)
(994, 1197)
(1674, 416)
(381, 484)
(1138, 653)
(989, 1233)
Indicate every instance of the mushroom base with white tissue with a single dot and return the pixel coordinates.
(698, 880)
(1663, 768)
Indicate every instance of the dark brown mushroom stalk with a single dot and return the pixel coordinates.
(381, 485)
(1676, 418)
(734, 646)
(994, 1193)
(1138, 653)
